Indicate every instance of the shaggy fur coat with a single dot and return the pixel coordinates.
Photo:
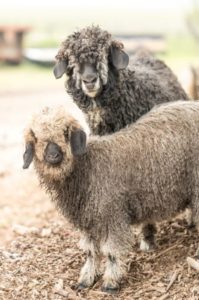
(127, 94)
(145, 172)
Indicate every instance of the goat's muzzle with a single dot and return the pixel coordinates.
(91, 83)
(53, 154)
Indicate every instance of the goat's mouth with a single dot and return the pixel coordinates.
(53, 154)
(92, 91)
(54, 164)
(54, 160)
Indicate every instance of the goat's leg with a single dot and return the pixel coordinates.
(90, 270)
(189, 218)
(195, 201)
(147, 242)
(114, 268)
(195, 218)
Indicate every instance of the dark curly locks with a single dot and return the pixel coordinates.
(99, 81)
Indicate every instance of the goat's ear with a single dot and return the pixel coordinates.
(28, 155)
(78, 142)
(60, 68)
(119, 58)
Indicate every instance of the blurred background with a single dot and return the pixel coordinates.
(30, 33)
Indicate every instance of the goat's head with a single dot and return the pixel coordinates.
(53, 142)
(86, 56)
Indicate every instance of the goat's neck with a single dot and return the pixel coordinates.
(70, 194)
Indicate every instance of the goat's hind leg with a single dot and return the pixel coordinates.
(189, 218)
(195, 201)
(90, 270)
(148, 232)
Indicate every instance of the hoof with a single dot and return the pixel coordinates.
(147, 246)
(110, 289)
(191, 226)
(81, 286)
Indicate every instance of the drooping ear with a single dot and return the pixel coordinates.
(119, 58)
(60, 68)
(78, 142)
(28, 155)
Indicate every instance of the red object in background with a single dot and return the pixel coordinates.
(11, 43)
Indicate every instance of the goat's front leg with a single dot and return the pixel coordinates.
(114, 269)
(90, 270)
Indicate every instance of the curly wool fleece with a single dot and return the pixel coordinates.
(90, 44)
(126, 94)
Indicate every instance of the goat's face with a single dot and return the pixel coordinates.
(54, 155)
(90, 79)
(87, 60)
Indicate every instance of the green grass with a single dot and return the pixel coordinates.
(25, 66)
(182, 50)
(44, 43)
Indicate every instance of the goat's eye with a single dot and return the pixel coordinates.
(66, 134)
(69, 71)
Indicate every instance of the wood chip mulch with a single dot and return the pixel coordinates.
(44, 264)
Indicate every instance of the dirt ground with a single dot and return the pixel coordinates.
(39, 255)
(21, 199)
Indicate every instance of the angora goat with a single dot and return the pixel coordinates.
(147, 172)
(100, 83)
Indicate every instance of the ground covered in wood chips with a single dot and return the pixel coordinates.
(39, 255)
(44, 262)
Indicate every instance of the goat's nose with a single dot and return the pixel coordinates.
(89, 78)
(54, 158)
(90, 84)
(53, 154)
